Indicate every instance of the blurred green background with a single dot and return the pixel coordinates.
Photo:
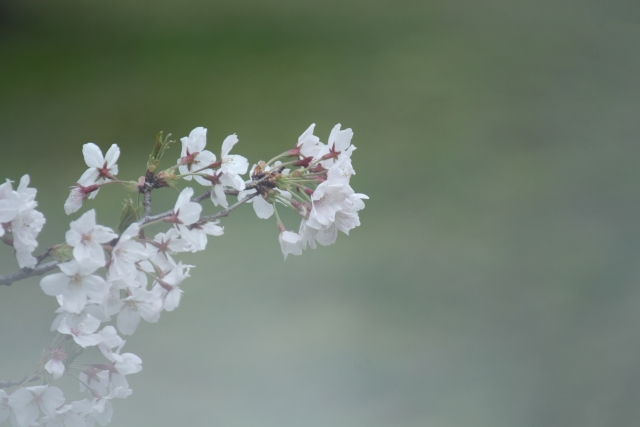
(494, 281)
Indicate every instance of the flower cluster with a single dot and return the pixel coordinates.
(20, 219)
(109, 280)
(317, 188)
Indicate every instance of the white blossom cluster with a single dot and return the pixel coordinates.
(105, 276)
(19, 217)
(331, 206)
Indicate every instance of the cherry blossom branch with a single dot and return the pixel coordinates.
(25, 379)
(225, 212)
(201, 197)
(146, 202)
(23, 273)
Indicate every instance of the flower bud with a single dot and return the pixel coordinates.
(270, 195)
(167, 177)
(133, 186)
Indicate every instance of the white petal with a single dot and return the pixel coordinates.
(85, 223)
(131, 231)
(327, 237)
(189, 213)
(5, 409)
(85, 341)
(245, 193)
(184, 197)
(24, 410)
(91, 324)
(200, 180)
(306, 134)
(128, 320)
(227, 144)
(25, 259)
(263, 208)
(203, 159)
(95, 287)
(232, 180)
(74, 201)
(184, 169)
(218, 195)
(55, 284)
(112, 157)
(8, 210)
(197, 139)
(212, 229)
(103, 234)
(92, 155)
(172, 299)
(51, 399)
(55, 368)
(89, 177)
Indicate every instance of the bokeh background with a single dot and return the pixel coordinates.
(495, 279)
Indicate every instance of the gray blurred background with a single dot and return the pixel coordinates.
(494, 280)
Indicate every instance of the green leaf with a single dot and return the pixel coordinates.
(128, 216)
(62, 253)
(158, 151)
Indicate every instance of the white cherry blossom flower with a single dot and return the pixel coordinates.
(185, 212)
(232, 164)
(77, 196)
(307, 235)
(310, 145)
(133, 281)
(55, 365)
(87, 238)
(140, 304)
(101, 408)
(98, 311)
(290, 243)
(8, 205)
(66, 416)
(168, 286)
(25, 228)
(27, 223)
(5, 408)
(343, 168)
(220, 181)
(27, 402)
(76, 284)
(167, 244)
(194, 157)
(127, 363)
(340, 143)
(196, 234)
(75, 200)
(82, 332)
(104, 382)
(347, 218)
(126, 253)
(262, 208)
(101, 169)
(110, 341)
(327, 199)
(62, 315)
